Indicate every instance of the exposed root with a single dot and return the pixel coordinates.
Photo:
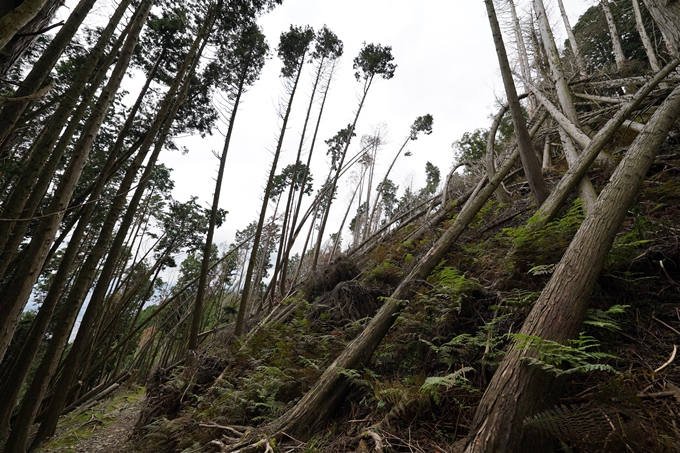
(377, 440)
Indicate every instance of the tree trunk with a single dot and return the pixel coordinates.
(12, 386)
(518, 390)
(205, 263)
(646, 42)
(559, 195)
(18, 290)
(666, 13)
(522, 52)
(327, 392)
(532, 168)
(164, 117)
(334, 183)
(44, 145)
(500, 194)
(31, 84)
(238, 328)
(572, 41)
(294, 229)
(619, 57)
(12, 22)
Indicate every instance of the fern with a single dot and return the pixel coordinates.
(432, 384)
(576, 357)
(603, 318)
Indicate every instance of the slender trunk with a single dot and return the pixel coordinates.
(619, 57)
(342, 224)
(559, 195)
(238, 329)
(324, 218)
(291, 191)
(11, 112)
(12, 386)
(521, 52)
(500, 194)
(646, 42)
(295, 229)
(27, 273)
(572, 41)
(587, 192)
(517, 389)
(47, 139)
(205, 263)
(547, 153)
(164, 117)
(532, 168)
(12, 22)
(327, 392)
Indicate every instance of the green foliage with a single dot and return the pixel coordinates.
(533, 248)
(576, 357)
(604, 319)
(433, 384)
(449, 283)
(293, 47)
(373, 60)
(421, 124)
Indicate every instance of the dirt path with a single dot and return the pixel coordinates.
(104, 428)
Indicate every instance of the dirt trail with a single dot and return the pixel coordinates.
(104, 428)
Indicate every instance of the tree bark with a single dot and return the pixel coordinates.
(619, 57)
(572, 40)
(518, 390)
(559, 195)
(500, 194)
(532, 168)
(12, 22)
(646, 42)
(666, 13)
(207, 249)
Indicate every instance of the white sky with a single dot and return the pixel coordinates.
(446, 67)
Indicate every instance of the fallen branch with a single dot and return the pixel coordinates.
(670, 360)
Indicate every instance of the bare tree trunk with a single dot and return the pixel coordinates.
(619, 57)
(522, 53)
(572, 40)
(517, 389)
(559, 195)
(666, 13)
(646, 42)
(205, 263)
(532, 168)
(563, 93)
(500, 194)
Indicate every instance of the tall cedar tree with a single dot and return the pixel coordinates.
(245, 57)
(373, 60)
(293, 47)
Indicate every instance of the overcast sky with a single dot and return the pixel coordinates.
(446, 66)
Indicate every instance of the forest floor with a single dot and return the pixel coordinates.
(103, 428)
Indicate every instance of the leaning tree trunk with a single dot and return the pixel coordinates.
(646, 42)
(252, 262)
(12, 22)
(501, 194)
(586, 189)
(519, 390)
(572, 40)
(532, 168)
(205, 262)
(666, 13)
(319, 402)
(619, 57)
(31, 84)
